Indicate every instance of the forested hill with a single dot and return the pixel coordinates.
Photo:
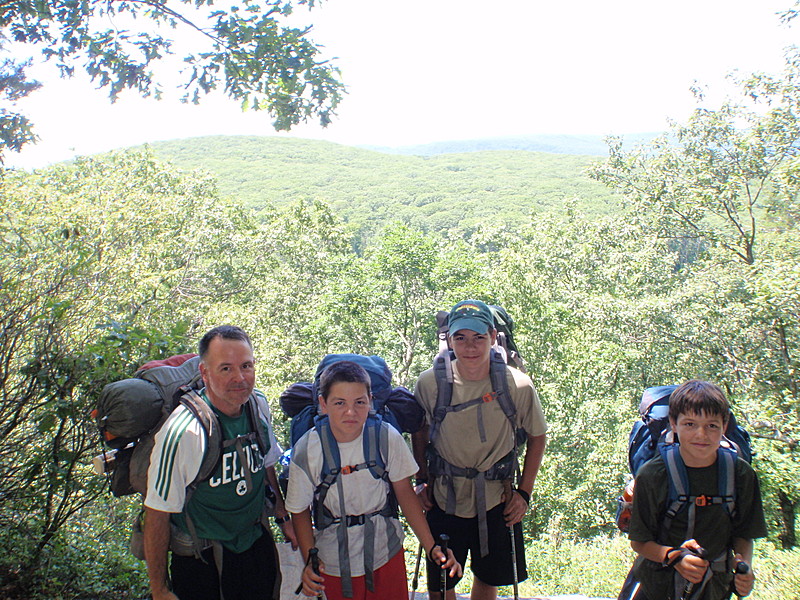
(586, 145)
(369, 188)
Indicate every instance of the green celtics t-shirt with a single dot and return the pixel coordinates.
(224, 507)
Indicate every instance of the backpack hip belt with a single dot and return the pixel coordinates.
(502, 470)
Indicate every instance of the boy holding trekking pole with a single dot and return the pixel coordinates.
(477, 410)
(698, 544)
(350, 473)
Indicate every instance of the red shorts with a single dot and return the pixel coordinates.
(390, 583)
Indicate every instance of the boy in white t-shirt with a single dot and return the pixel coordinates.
(358, 535)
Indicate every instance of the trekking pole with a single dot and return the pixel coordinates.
(415, 580)
(313, 556)
(443, 541)
(514, 562)
(509, 490)
(742, 568)
(688, 588)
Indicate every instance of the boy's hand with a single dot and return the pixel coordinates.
(515, 509)
(288, 533)
(692, 567)
(743, 582)
(423, 492)
(313, 583)
(448, 562)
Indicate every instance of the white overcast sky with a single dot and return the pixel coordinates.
(420, 71)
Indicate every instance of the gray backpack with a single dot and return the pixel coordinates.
(131, 411)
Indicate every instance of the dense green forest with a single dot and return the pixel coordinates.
(685, 265)
(367, 188)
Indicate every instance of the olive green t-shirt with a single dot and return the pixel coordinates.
(714, 530)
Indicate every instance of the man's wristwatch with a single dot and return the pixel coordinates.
(282, 520)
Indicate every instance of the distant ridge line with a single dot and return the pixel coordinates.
(585, 145)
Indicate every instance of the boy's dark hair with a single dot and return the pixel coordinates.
(343, 371)
(695, 397)
(226, 332)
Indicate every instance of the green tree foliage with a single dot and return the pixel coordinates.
(15, 129)
(369, 189)
(728, 182)
(581, 291)
(247, 49)
(99, 262)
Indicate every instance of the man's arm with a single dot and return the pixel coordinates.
(280, 508)
(156, 546)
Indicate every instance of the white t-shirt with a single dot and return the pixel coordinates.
(363, 494)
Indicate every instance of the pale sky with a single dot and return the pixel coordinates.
(420, 71)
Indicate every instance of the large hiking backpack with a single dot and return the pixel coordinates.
(130, 412)
(396, 404)
(651, 435)
(504, 353)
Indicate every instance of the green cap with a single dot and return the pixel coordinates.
(470, 314)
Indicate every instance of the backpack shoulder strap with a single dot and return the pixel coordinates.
(376, 446)
(499, 376)
(443, 371)
(254, 412)
(331, 467)
(726, 461)
(209, 422)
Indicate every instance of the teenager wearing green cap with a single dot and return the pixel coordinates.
(465, 483)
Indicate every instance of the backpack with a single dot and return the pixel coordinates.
(396, 405)
(652, 435)
(130, 412)
(503, 354)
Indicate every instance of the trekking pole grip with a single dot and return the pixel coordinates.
(688, 588)
(742, 568)
(313, 560)
(444, 539)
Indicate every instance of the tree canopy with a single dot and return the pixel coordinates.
(247, 48)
